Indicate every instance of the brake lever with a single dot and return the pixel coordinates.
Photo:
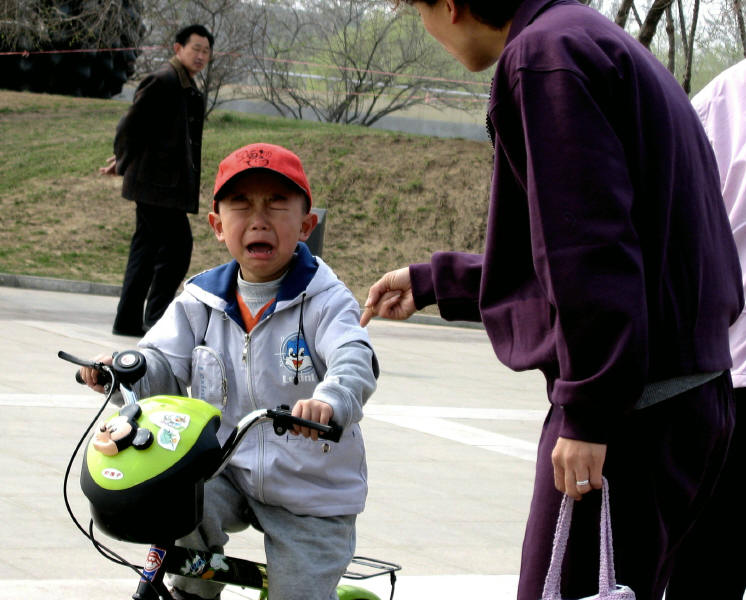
(104, 377)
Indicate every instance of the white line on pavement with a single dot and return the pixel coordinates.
(453, 412)
(372, 410)
(464, 434)
(432, 420)
(51, 400)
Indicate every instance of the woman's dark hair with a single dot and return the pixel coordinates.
(495, 13)
(183, 36)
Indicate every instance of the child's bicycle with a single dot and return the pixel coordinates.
(144, 472)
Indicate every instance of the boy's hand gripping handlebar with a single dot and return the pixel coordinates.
(126, 368)
(284, 420)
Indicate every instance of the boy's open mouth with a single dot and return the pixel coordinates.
(259, 248)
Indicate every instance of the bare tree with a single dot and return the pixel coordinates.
(622, 13)
(229, 21)
(276, 71)
(344, 61)
(81, 47)
(35, 24)
(683, 44)
(671, 35)
(689, 53)
(684, 36)
(650, 24)
(738, 10)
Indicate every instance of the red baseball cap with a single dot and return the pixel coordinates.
(261, 156)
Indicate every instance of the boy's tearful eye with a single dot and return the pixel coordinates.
(280, 203)
(236, 206)
(240, 205)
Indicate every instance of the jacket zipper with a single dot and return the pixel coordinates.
(252, 400)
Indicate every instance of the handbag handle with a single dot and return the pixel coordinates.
(606, 574)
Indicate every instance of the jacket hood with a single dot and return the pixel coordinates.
(307, 275)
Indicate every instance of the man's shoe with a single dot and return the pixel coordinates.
(130, 332)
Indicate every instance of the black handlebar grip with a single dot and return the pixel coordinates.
(102, 378)
(331, 432)
(334, 434)
(282, 420)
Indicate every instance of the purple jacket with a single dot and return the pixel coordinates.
(609, 261)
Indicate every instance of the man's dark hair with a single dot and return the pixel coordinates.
(492, 13)
(183, 36)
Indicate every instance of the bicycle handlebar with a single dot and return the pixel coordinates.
(282, 420)
(129, 366)
(126, 368)
(103, 378)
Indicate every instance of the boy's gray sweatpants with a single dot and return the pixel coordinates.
(306, 556)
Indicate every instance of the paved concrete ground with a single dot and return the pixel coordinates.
(450, 436)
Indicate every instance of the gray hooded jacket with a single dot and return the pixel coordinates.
(308, 344)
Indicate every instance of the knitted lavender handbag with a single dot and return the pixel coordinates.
(607, 585)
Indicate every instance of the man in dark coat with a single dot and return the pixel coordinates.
(157, 148)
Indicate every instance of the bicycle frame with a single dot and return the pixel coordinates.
(228, 570)
(168, 558)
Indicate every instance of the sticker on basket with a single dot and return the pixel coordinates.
(171, 420)
(168, 438)
(112, 474)
(152, 563)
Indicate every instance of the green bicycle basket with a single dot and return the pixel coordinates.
(151, 490)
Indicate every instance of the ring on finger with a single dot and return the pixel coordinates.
(582, 482)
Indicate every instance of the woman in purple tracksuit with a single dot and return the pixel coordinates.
(609, 265)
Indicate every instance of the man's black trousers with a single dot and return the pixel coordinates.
(160, 252)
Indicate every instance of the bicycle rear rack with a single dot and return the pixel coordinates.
(375, 567)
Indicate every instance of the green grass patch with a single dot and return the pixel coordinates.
(389, 201)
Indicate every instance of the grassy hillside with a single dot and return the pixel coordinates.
(391, 198)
